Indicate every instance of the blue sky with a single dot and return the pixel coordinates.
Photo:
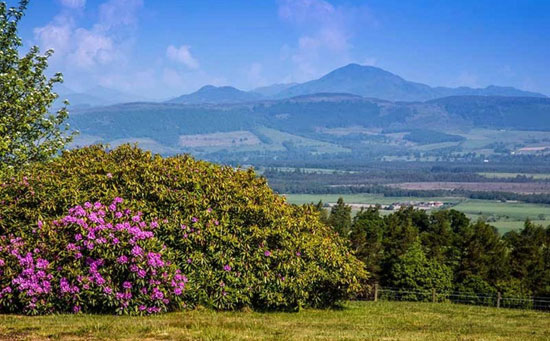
(168, 47)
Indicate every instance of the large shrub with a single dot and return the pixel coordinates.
(237, 242)
(95, 259)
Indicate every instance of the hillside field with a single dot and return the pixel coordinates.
(354, 321)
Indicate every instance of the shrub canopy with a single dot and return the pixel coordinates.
(238, 243)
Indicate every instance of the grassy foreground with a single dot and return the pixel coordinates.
(356, 321)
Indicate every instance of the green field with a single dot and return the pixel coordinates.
(355, 321)
(505, 216)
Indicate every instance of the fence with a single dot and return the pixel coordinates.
(486, 299)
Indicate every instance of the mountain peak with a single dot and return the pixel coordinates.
(216, 94)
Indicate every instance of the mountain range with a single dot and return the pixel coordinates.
(355, 108)
(366, 81)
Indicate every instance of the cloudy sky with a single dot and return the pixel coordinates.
(164, 48)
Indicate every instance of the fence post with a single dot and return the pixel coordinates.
(375, 292)
(433, 295)
(499, 297)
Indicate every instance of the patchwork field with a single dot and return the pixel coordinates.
(354, 321)
(514, 187)
(234, 138)
(505, 216)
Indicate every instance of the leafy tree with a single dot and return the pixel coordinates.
(484, 254)
(28, 131)
(323, 213)
(527, 258)
(366, 239)
(340, 217)
(414, 272)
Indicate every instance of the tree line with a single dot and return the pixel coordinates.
(445, 250)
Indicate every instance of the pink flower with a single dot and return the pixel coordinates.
(267, 253)
(227, 267)
(127, 285)
(109, 175)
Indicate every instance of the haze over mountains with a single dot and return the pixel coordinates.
(366, 81)
(352, 109)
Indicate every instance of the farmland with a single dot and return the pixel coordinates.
(505, 216)
(355, 321)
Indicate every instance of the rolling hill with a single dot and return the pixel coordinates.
(311, 120)
(213, 94)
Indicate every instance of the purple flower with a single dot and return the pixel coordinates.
(267, 253)
(227, 267)
(141, 273)
(298, 254)
(122, 259)
(194, 219)
(127, 285)
(76, 309)
(107, 290)
(142, 307)
(109, 175)
(137, 251)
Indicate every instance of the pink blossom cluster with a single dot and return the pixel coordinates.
(100, 254)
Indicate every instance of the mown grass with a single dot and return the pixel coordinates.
(355, 321)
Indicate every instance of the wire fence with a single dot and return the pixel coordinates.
(483, 299)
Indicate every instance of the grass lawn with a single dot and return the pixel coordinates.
(356, 321)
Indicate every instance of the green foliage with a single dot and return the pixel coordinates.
(366, 238)
(28, 132)
(414, 272)
(238, 243)
(96, 259)
(340, 217)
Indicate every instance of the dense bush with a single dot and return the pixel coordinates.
(95, 259)
(237, 242)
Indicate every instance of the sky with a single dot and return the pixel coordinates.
(163, 48)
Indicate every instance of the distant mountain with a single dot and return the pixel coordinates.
(274, 89)
(214, 94)
(96, 96)
(373, 82)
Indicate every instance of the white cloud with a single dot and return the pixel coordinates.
(182, 55)
(92, 49)
(325, 34)
(73, 3)
(114, 14)
(56, 35)
(106, 42)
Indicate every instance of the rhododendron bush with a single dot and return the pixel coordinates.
(191, 233)
(95, 259)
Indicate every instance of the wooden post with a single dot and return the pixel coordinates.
(433, 295)
(499, 297)
(375, 292)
